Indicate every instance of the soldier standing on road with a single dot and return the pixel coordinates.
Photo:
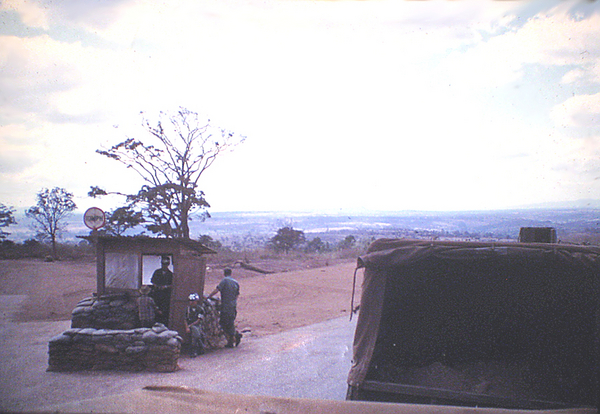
(230, 290)
(162, 279)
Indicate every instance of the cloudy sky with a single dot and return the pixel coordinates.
(346, 105)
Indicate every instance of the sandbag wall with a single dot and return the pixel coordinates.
(116, 311)
(150, 349)
(119, 311)
(104, 335)
(213, 333)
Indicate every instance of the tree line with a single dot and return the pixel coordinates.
(54, 206)
(288, 238)
(176, 150)
(48, 215)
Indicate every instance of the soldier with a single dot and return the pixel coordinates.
(147, 309)
(230, 290)
(162, 279)
(194, 316)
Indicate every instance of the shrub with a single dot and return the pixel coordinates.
(286, 239)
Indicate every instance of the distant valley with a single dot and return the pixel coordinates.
(572, 225)
(251, 228)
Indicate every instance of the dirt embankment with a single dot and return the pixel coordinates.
(269, 303)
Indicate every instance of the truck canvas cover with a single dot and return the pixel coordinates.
(509, 325)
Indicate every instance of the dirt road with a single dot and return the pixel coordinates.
(268, 303)
(285, 312)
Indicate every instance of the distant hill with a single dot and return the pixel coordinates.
(578, 204)
(257, 227)
(504, 224)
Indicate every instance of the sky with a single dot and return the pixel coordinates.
(345, 105)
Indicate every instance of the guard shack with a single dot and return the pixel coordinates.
(124, 264)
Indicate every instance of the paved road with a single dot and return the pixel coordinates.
(308, 362)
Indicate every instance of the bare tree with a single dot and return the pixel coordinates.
(6, 219)
(49, 214)
(171, 162)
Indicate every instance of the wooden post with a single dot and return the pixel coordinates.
(100, 264)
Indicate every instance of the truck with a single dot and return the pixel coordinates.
(478, 324)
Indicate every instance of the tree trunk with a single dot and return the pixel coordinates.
(185, 227)
(53, 241)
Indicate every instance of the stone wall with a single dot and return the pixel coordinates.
(150, 349)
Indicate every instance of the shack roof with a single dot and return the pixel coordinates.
(143, 241)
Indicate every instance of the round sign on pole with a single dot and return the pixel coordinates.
(94, 218)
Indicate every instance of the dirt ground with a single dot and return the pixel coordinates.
(268, 304)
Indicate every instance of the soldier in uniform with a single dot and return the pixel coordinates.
(194, 317)
(230, 290)
(147, 309)
(162, 280)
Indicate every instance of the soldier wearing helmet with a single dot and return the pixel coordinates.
(194, 317)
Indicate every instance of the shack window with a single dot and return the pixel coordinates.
(122, 271)
(152, 262)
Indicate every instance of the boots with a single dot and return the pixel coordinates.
(233, 340)
(197, 350)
